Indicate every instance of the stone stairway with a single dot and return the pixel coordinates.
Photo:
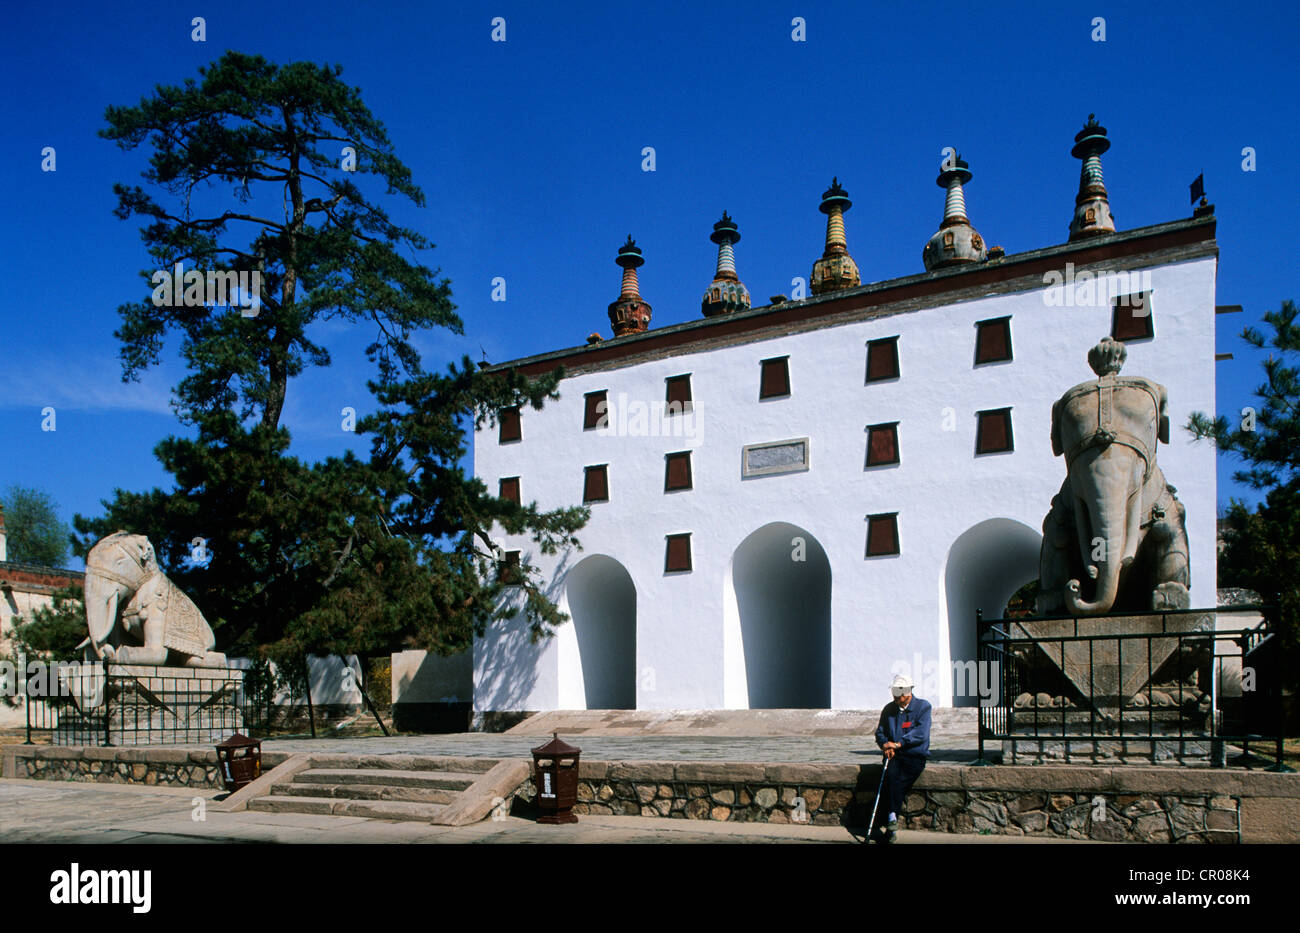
(441, 790)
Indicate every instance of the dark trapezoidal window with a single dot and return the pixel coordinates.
(993, 340)
(775, 379)
(882, 534)
(993, 434)
(678, 394)
(677, 471)
(595, 483)
(882, 444)
(1132, 318)
(677, 553)
(509, 425)
(882, 359)
(595, 413)
(508, 572)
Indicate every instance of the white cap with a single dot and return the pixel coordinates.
(902, 684)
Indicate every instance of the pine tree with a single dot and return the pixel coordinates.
(1263, 547)
(354, 554)
(53, 632)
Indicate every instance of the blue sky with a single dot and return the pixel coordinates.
(529, 154)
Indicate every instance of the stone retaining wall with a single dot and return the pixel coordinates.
(168, 767)
(1123, 804)
(1100, 817)
(1126, 803)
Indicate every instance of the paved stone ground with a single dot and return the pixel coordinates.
(70, 812)
(733, 722)
(859, 749)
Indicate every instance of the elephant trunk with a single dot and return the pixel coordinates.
(1106, 491)
(102, 597)
(1107, 590)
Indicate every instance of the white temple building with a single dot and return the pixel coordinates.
(791, 503)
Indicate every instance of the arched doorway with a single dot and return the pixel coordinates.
(600, 598)
(778, 621)
(985, 566)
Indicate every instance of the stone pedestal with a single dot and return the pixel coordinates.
(1188, 751)
(1109, 667)
(147, 705)
(1133, 687)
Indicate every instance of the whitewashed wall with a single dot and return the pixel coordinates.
(334, 681)
(421, 677)
(885, 611)
(22, 604)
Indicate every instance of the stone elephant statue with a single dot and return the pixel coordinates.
(136, 615)
(1115, 539)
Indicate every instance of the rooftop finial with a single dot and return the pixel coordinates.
(836, 269)
(726, 293)
(1092, 214)
(629, 315)
(956, 241)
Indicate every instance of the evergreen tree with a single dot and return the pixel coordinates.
(1263, 546)
(54, 631)
(355, 554)
(33, 532)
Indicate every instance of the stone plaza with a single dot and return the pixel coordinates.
(683, 787)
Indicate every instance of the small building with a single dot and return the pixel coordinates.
(24, 588)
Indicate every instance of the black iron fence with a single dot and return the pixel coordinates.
(107, 703)
(1181, 685)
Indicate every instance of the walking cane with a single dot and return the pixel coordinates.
(872, 825)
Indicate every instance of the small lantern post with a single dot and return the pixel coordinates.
(240, 761)
(555, 773)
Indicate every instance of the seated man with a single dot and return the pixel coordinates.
(904, 736)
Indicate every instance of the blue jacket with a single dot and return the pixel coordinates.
(911, 729)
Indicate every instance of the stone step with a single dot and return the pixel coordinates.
(449, 780)
(366, 792)
(442, 790)
(280, 804)
(370, 809)
(474, 766)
